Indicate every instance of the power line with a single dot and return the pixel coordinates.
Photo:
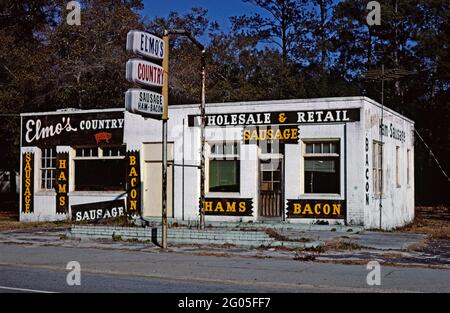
(432, 154)
(9, 115)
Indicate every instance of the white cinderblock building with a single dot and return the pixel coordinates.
(299, 161)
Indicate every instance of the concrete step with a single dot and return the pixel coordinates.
(284, 226)
(187, 236)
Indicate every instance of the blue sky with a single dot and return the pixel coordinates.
(218, 10)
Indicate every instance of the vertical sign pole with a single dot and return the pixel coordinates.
(165, 117)
(381, 146)
(202, 142)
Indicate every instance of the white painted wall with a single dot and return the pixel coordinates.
(397, 200)
(294, 174)
(398, 204)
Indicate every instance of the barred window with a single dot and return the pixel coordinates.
(48, 168)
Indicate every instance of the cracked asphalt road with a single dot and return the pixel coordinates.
(43, 268)
(35, 260)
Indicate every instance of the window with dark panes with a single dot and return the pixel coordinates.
(322, 167)
(224, 168)
(100, 169)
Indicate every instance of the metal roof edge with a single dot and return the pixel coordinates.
(73, 112)
(265, 102)
(385, 108)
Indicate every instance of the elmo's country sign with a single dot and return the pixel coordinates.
(148, 75)
(73, 129)
(145, 45)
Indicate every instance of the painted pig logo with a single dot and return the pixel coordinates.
(103, 137)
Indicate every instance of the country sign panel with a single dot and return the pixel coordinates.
(145, 73)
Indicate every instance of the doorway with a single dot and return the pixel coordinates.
(153, 180)
(271, 188)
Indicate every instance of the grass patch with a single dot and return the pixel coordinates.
(340, 245)
(116, 237)
(275, 235)
(11, 222)
(334, 245)
(279, 237)
(392, 255)
(121, 221)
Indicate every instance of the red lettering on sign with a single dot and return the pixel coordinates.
(150, 74)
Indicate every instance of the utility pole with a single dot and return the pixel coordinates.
(382, 143)
(165, 117)
(183, 32)
(202, 143)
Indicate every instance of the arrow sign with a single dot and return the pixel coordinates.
(144, 73)
(145, 45)
(145, 103)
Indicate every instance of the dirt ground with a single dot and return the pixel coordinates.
(431, 251)
(432, 221)
(10, 221)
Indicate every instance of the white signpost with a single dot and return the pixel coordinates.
(145, 73)
(144, 102)
(150, 103)
(145, 44)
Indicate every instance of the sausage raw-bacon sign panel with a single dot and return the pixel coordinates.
(145, 103)
(102, 128)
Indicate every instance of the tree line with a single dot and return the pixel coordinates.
(296, 49)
